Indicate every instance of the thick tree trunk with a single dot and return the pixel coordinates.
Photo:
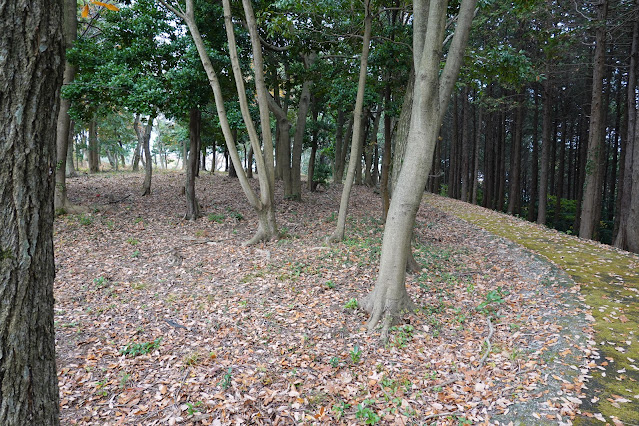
(400, 137)
(627, 157)
(31, 65)
(338, 234)
(94, 149)
(386, 154)
(432, 92)
(593, 182)
(192, 205)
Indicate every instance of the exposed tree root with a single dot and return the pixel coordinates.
(259, 237)
(487, 340)
(385, 310)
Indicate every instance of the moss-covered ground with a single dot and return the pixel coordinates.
(608, 280)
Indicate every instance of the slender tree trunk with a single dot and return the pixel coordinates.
(515, 160)
(135, 162)
(534, 162)
(501, 180)
(32, 61)
(338, 163)
(561, 172)
(71, 172)
(545, 151)
(386, 155)
(371, 149)
(465, 146)
(338, 234)
(94, 149)
(478, 133)
(144, 137)
(592, 185)
(192, 205)
(311, 185)
(400, 137)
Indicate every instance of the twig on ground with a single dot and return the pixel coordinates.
(451, 413)
(447, 382)
(487, 340)
(119, 200)
(176, 398)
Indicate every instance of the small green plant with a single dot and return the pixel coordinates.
(135, 254)
(132, 241)
(138, 220)
(331, 218)
(339, 408)
(403, 335)
(219, 218)
(86, 220)
(235, 215)
(226, 379)
(124, 378)
(135, 349)
(364, 413)
(492, 298)
(351, 304)
(99, 387)
(356, 354)
(192, 359)
(334, 362)
(330, 284)
(193, 408)
(101, 282)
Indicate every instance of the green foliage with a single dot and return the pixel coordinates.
(492, 298)
(351, 304)
(226, 379)
(135, 349)
(367, 415)
(193, 408)
(334, 362)
(402, 335)
(322, 173)
(339, 408)
(235, 215)
(356, 354)
(101, 282)
(330, 284)
(85, 219)
(219, 218)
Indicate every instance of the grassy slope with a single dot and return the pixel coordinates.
(609, 280)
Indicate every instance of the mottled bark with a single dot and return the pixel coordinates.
(144, 137)
(192, 205)
(31, 67)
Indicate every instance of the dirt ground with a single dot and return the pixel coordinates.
(164, 321)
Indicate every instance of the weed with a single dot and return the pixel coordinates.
(226, 380)
(132, 241)
(135, 254)
(334, 362)
(235, 215)
(101, 282)
(193, 408)
(402, 336)
(351, 304)
(492, 297)
(339, 408)
(364, 413)
(219, 218)
(99, 387)
(135, 349)
(331, 218)
(86, 220)
(356, 354)
(192, 359)
(123, 379)
(138, 220)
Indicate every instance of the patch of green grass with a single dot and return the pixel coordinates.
(135, 349)
(85, 219)
(351, 304)
(133, 241)
(219, 218)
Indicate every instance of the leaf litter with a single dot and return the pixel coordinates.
(164, 321)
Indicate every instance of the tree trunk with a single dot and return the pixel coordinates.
(561, 172)
(144, 136)
(386, 155)
(338, 234)
(371, 149)
(61, 202)
(338, 163)
(545, 151)
(432, 92)
(192, 205)
(627, 156)
(465, 146)
(478, 133)
(311, 185)
(71, 172)
(534, 163)
(94, 149)
(400, 138)
(298, 138)
(593, 182)
(32, 62)
(515, 158)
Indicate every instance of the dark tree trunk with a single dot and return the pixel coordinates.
(478, 133)
(230, 166)
(94, 149)
(501, 179)
(515, 158)
(534, 163)
(562, 170)
(338, 164)
(465, 146)
(454, 142)
(32, 65)
(192, 206)
(591, 204)
(71, 172)
(546, 131)
(311, 184)
(386, 155)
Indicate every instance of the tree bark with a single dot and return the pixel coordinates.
(31, 68)
(144, 137)
(61, 202)
(338, 234)
(71, 172)
(534, 163)
(94, 149)
(545, 151)
(593, 182)
(192, 205)
(432, 92)
(338, 163)
(515, 157)
(386, 155)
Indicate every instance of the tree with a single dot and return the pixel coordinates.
(264, 204)
(591, 205)
(33, 57)
(431, 95)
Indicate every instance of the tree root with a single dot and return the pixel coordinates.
(259, 237)
(385, 310)
(487, 340)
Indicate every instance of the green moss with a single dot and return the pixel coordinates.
(6, 254)
(609, 281)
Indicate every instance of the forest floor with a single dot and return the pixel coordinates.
(164, 321)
